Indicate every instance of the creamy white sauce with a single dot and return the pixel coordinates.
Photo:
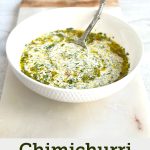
(68, 65)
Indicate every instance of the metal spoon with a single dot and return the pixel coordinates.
(82, 39)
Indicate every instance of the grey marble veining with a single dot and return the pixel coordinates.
(136, 12)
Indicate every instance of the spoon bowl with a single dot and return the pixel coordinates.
(81, 41)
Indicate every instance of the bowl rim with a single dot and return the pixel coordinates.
(67, 89)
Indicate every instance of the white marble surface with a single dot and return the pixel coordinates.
(25, 114)
(125, 114)
(136, 13)
(8, 18)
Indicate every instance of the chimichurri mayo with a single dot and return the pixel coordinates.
(54, 59)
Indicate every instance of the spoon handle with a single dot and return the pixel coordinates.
(94, 21)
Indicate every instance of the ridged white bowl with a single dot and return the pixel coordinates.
(77, 18)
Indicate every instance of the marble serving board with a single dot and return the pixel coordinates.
(25, 114)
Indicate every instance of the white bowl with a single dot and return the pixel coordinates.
(77, 18)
